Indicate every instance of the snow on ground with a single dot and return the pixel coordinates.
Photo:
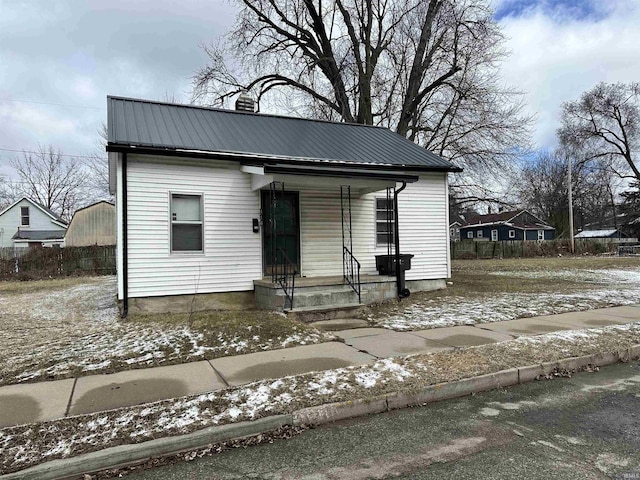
(76, 330)
(26, 445)
(611, 288)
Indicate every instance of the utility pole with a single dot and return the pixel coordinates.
(571, 239)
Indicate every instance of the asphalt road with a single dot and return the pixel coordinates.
(584, 427)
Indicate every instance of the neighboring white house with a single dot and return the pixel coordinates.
(237, 206)
(26, 223)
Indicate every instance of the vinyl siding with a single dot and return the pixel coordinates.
(232, 252)
(422, 211)
(231, 258)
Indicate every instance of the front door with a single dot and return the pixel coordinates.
(281, 229)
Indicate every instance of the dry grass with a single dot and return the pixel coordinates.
(69, 328)
(491, 290)
(26, 445)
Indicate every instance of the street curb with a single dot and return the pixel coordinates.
(125, 455)
(332, 412)
(449, 390)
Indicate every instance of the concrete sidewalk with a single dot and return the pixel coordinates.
(56, 399)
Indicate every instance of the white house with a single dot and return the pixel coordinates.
(26, 223)
(247, 209)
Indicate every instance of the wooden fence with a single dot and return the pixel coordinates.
(33, 263)
(468, 249)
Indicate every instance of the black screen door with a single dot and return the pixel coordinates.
(286, 230)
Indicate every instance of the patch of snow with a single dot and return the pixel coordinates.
(615, 287)
(368, 379)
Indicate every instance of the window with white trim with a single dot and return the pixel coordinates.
(469, 234)
(512, 234)
(186, 223)
(540, 234)
(385, 221)
(479, 234)
(24, 216)
(494, 235)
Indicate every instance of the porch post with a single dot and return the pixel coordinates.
(402, 291)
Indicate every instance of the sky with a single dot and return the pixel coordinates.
(60, 59)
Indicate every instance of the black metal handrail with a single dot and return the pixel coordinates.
(351, 268)
(284, 274)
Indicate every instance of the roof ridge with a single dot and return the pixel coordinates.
(241, 112)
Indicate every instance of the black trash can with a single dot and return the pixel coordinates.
(386, 264)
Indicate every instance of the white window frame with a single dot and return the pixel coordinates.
(540, 235)
(171, 223)
(494, 233)
(512, 234)
(479, 234)
(27, 216)
(376, 221)
(470, 234)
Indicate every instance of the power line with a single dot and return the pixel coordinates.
(61, 154)
(51, 103)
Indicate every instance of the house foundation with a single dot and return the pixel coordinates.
(187, 303)
(318, 298)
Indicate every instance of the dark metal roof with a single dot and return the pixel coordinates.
(39, 235)
(154, 125)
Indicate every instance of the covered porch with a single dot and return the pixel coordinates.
(324, 231)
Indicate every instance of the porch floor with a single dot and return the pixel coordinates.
(328, 281)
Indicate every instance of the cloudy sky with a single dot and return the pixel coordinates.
(59, 59)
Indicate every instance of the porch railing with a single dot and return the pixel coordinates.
(283, 273)
(351, 268)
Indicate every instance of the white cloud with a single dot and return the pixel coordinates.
(77, 54)
(555, 58)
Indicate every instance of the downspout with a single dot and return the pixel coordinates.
(125, 253)
(402, 292)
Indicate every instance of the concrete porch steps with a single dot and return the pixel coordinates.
(325, 312)
(324, 294)
(330, 296)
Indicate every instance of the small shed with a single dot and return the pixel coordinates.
(92, 225)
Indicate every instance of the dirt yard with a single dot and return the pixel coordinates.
(55, 329)
(495, 290)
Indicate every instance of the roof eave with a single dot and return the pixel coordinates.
(260, 159)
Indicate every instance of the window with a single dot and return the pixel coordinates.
(512, 234)
(494, 235)
(479, 235)
(385, 222)
(186, 223)
(469, 234)
(24, 216)
(540, 234)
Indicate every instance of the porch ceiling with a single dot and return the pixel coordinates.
(361, 180)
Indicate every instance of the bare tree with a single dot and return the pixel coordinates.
(51, 179)
(604, 125)
(427, 69)
(97, 166)
(542, 188)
